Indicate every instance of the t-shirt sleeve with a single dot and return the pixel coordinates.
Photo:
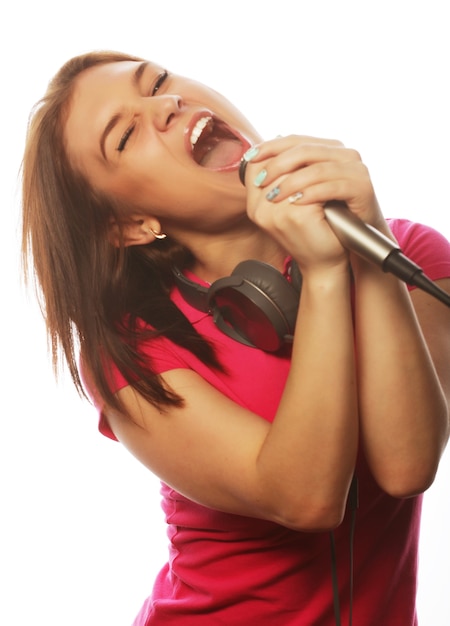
(160, 352)
(163, 356)
(424, 245)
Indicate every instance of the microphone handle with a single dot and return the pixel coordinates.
(370, 244)
(356, 235)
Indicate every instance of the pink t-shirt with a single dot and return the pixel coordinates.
(234, 570)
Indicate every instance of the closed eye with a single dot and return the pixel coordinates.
(159, 82)
(127, 134)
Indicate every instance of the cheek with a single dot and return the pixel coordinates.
(161, 181)
(148, 188)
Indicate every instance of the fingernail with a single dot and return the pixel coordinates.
(295, 197)
(260, 178)
(273, 193)
(251, 153)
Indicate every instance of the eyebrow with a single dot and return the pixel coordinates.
(135, 81)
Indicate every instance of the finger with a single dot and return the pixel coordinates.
(273, 147)
(347, 178)
(264, 173)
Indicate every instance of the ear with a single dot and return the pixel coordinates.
(134, 232)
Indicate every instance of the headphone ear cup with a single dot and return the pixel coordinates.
(258, 302)
(281, 295)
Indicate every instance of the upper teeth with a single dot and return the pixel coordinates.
(199, 128)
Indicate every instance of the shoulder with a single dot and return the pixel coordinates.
(424, 245)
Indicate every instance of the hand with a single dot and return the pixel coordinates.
(288, 182)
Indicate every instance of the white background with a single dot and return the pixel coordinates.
(81, 530)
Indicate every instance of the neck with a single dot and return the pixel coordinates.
(216, 257)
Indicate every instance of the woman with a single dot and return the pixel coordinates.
(133, 207)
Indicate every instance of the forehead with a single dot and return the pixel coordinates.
(106, 73)
(99, 93)
(102, 82)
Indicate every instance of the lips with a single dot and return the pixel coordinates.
(213, 144)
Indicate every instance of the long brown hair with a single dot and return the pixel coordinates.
(91, 292)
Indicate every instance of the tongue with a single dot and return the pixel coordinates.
(223, 154)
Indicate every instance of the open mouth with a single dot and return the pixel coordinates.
(215, 145)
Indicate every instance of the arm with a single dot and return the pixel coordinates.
(403, 379)
(402, 340)
(295, 471)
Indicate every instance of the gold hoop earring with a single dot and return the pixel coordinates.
(157, 235)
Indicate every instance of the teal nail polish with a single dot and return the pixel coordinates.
(273, 193)
(260, 178)
(251, 153)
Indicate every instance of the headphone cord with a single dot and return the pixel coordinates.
(353, 503)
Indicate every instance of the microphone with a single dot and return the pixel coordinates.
(370, 244)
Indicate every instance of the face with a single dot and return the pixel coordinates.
(163, 144)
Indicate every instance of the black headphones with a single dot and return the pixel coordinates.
(256, 305)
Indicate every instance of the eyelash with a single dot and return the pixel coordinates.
(125, 137)
(159, 82)
(127, 134)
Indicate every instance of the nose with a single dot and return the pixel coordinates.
(164, 109)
